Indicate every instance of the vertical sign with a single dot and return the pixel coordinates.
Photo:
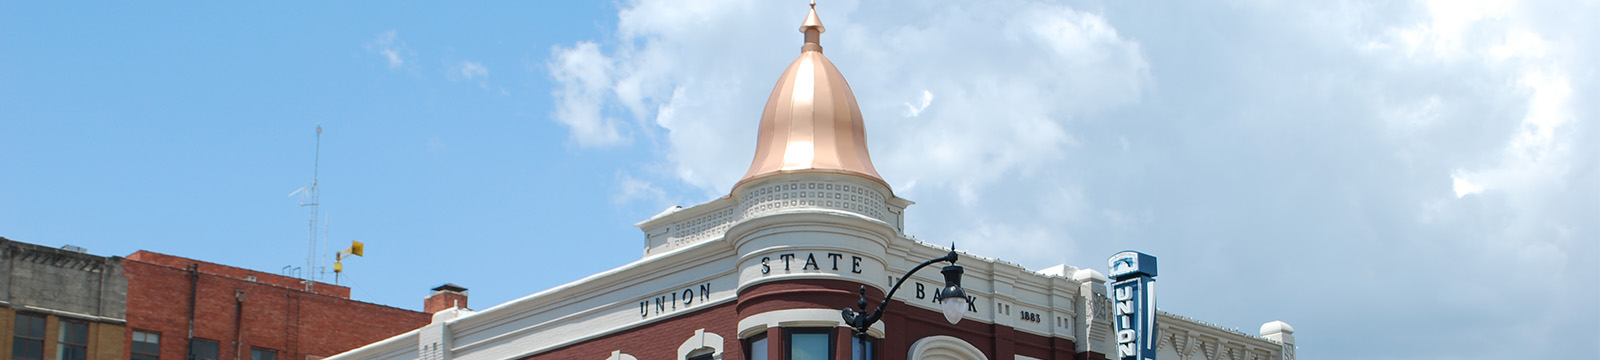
(1134, 296)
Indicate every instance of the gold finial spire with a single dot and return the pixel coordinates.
(812, 21)
(813, 29)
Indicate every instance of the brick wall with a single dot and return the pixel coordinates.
(275, 313)
(444, 299)
(8, 325)
(996, 341)
(156, 258)
(105, 341)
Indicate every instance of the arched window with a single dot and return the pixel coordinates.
(701, 346)
(945, 348)
(618, 355)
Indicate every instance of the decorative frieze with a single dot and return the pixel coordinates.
(1192, 339)
(835, 195)
(704, 227)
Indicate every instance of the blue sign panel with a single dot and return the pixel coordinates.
(1134, 304)
(1128, 264)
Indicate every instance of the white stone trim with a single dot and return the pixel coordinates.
(750, 267)
(701, 340)
(69, 314)
(679, 227)
(941, 347)
(1190, 338)
(753, 324)
(807, 220)
(618, 355)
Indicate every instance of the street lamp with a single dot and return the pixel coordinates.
(951, 298)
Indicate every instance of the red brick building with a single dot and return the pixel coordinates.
(235, 313)
(765, 272)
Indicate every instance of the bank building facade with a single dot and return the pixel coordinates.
(772, 271)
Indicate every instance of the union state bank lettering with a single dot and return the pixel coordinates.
(672, 300)
(809, 232)
(811, 262)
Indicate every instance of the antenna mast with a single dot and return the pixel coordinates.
(315, 204)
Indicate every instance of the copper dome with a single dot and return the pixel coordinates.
(811, 122)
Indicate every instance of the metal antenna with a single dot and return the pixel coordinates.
(327, 225)
(323, 271)
(312, 194)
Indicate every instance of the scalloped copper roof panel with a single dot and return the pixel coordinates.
(812, 121)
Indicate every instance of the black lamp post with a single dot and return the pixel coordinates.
(951, 298)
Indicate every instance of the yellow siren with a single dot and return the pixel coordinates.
(356, 248)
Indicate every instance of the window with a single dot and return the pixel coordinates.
(73, 341)
(27, 342)
(146, 345)
(863, 348)
(701, 346)
(755, 348)
(202, 349)
(809, 344)
(263, 354)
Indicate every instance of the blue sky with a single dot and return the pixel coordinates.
(1385, 174)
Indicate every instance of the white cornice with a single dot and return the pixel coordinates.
(685, 213)
(1170, 325)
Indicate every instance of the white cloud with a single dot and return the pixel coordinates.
(585, 80)
(638, 190)
(1520, 43)
(1451, 27)
(1411, 118)
(668, 74)
(1464, 187)
(388, 45)
(1511, 125)
(472, 70)
(914, 110)
(1497, 39)
(978, 236)
(475, 72)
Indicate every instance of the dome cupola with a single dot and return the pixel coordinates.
(812, 122)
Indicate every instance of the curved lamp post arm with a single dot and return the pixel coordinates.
(860, 321)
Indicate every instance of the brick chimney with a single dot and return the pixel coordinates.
(447, 296)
